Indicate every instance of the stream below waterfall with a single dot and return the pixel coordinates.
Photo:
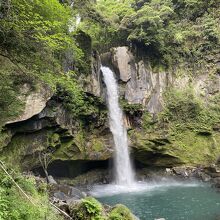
(170, 200)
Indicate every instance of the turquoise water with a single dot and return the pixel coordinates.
(174, 202)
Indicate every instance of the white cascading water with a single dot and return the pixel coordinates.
(122, 164)
(124, 176)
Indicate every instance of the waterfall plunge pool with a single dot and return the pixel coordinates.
(170, 200)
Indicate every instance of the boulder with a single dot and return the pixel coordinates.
(216, 182)
(122, 59)
(205, 177)
(182, 171)
(65, 193)
(34, 101)
(51, 180)
(121, 212)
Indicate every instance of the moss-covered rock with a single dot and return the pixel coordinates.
(186, 147)
(84, 145)
(120, 212)
(25, 149)
(90, 209)
(5, 138)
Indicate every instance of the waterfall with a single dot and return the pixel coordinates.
(122, 164)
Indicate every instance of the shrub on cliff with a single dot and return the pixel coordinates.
(15, 206)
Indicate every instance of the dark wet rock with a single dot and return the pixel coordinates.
(61, 204)
(182, 171)
(213, 168)
(216, 182)
(61, 196)
(152, 173)
(73, 200)
(214, 175)
(177, 173)
(64, 206)
(65, 192)
(205, 177)
(87, 179)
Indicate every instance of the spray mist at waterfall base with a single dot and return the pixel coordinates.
(140, 187)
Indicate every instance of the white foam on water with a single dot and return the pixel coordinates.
(139, 187)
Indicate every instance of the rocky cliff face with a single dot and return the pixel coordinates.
(166, 133)
(162, 132)
(141, 84)
(46, 128)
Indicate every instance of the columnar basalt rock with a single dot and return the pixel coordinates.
(139, 85)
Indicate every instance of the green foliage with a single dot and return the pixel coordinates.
(120, 212)
(35, 33)
(104, 27)
(4, 205)
(93, 207)
(131, 109)
(211, 30)
(147, 121)
(172, 31)
(184, 111)
(81, 105)
(115, 11)
(89, 208)
(69, 92)
(181, 106)
(148, 23)
(15, 206)
(11, 106)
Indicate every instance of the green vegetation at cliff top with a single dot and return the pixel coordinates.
(170, 30)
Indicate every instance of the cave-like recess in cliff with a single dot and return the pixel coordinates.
(71, 169)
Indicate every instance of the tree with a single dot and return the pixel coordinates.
(45, 159)
(36, 33)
